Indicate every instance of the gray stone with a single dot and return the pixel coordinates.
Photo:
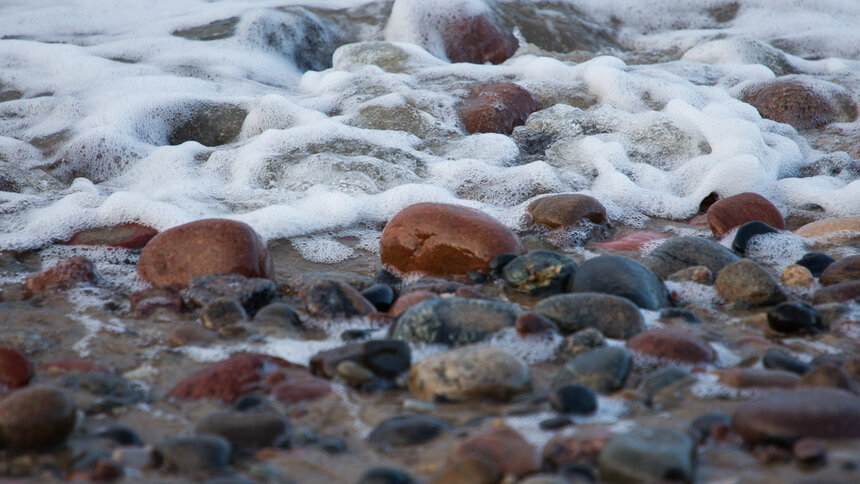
(663, 378)
(647, 455)
(682, 252)
(247, 431)
(407, 430)
(580, 342)
(251, 292)
(539, 272)
(602, 369)
(620, 276)
(745, 282)
(614, 316)
(453, 321)
(192, 455)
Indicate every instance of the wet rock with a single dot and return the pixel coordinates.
(734, 211)
(385, 475)
(842, 292)
(127, 236)
(664, 378)
(834, 230)
(453, 321)
(529, 323)
(15, 369)
(407, 430)
(825, 413)
(843, 270)
(299, 387)
(386, 358)
(580, 342)
(469, 373)
(497, 264)
(779, 360)
(557, 26)
(566, 210)
(191, 334)
(740, 49)
(36, 418)
(682, 252)
(335, 299)
(221, 313)
(749, 231)
(325, 362)
(539, 272)
(503, 446)
(353, 373)
(444, 239)
(145, 302)
(795, 275)
(388, 56)
(573, 398)
(251, 293)
(816, 262)
(801, 101)
(61, 276)
(613, 316)
(574, 448)
(277, 315)
(56, 367)
(246, 431)
(620, 276)
(604, 370)
(697, 274)
(745, 282)
(672, 345)
(209, 124)
(192, 455)
(496, 108)
(380, 295)
(229, 379)
(679, 314)
(468, 470)
(647, 455)
(119, 434)
(218, 29)
(827, 376)
(211, 246)
(794, 318)
(296, 33)
(409, 299)
(111, 389)
(755, 378)
(634, 241)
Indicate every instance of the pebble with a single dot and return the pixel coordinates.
(380, 295)
(35, 418)
(329, 299)
(661, 379)
(145, 302)
(775, 359)
(574, 447)
(222, 312)
(191, 334)
(756, 378)
(604, 370)
(192, 455)
(633, 241)
(566, 210)
(126, 236)
(620, 276)
(252, 293)
(353, 373)
(503, 446)
(385, 475)
(496, 107)
(736, 210)
(827, 375)
(120, 434)
(672, 345)
(703, 425)
(682, 252)
(405, 301)
(614, 316)
(795, 275)
(497, 264)
(469, 373)
(539, 272)
(809, 451)
(468, 470)
(747, 232)
(580, 342)
(843, 270)
(746, 283)
(16, 371)
(573, 398)
(453, 321)
(842, 292)
(386, 358)
(133, 457)
(679, 314)
(407, 430)
(228, 379)
(801, 101)
(697, 274)
(647, 455)
(555, 423)
(794, 318)
(62, 276)
(529, 323)
(277, 315)
(443, 239)
(246, 431)
(299, 388)
(816, 262)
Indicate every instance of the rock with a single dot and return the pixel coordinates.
(405, 301)
(682, 252)
(809, 451)
(580, 342)
(444, 239)
(604, 370)
(36, 418)
(496, 108)
(801, 101)
(301, 387)
(407, 430)
(663, 378)
(647, 455)
(683, 315)
(672, 345)
(843, 270)
(468, 470)
(793, 318)
(697, 274)
(192, 455)
(503, 446)
(277, 315)
(633, 241)
(221, 313)
(779, 360)
(614, 316)
(208, 123)
(251, 293)
(827, 376)
(575, 448)
(353, 373)
(229, 379)
(300, 36)
(325, 362)
(745, 282)
(816, 262)
(795, 275)
(539, 272)
(620, 276)
(119, 434)
(834, 230)
(380, 295)
(386, 358)
(825, 413)
(566, 210)
(755, 378)
(335, 299)
(734, 211)
(191, 334)
(573, 398)
(469, 373)
(497, 264)
(127, 236)
(61, 276)
(15, 369)
(211, 246)
(385, 475)
(246, 431)
(529, 323)
(453, 321)
(749, 231)
(145, 302)
(56, 367)
(842, 292)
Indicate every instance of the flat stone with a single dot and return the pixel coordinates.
(566, 210)
(407, 430)
(682, 252)
(539, 272)
(843, 270)
(604, 370)
(647, 455)
(301, 387)
(127, 236)
(842, 292)
(620, 276)
(36, 418)
(734, 211)
(530, 323)
(385, 475)
(229, 379)
(55, 367)
(672, 345)
(697, 274)
(633, 241)
(146, 301)
(613, 316)
(746, 282)
(252, 293)
(779, 360)
(453, 321)
(827, 375)
(468, 470)
(496, 108)
(833, 230)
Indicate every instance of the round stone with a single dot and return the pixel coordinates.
(613, 316)
(15, 369)
(35, 418)
(246, 431)
(620, 276)
(747, 232)
(734, 211)
(496, 108)
(801, 101)
(539, 272)
(647, 455)
(190, 455)
(380, 295)
(672, 345)
(682, 252)
(843, 270)
(503, 446)
(453, 321)
(745, 282)
(573, 398)
(816, 262)
(566, 210)
(793, 318)
(604, 370)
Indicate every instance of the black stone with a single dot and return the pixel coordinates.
(555, 423)
(278, 314)
(120, 434)
(498, 263)
(251, 293)
(222, 312)
(249, 401)
(577, 472)
(700, 427)
(407, 430)
(794, 318)
(385, 475)
(390, 279)
(380, 295)
(620, 276)
(352, 335)
(246, 431)
(192, 455)
(386, 358)
(539, 272)
(779, 360)
(574, 398)
(475, 276)
(747, 231)
(816, 262)
(680, 313)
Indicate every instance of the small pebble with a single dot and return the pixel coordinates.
(380, 295)
(796, 276)
(498, 263)
(555, 423)
(779, 360)
(385, 475)
(574, 398)
(222, 312)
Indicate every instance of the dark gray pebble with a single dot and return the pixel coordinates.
(191, 455)
(775, 359)
(380, 295)
(794, 318)
(816, 262)
(747, 232)
(385, 475)
(620, 276)
(407, 430)
(574, 398)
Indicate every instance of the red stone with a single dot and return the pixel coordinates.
(210, 246)
(301, 388)
(566, 448)
(755, 378)
(565, 210)
(143, 303)
(673, 345)
(503, 446)
(734, 211)
(842, 292)
(229, 379)
(128, 236)
(442, 239)
(633, 241)
(701, 219)
(476, 39)
(71, 366)
(801, 104)
(532, 323)
(496, 108)
(63, 275)
(843, 270)
(16, 370)
(410, 299)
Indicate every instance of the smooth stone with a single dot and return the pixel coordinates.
(386, 358)
(795, 275)
(61, 276)
(530, 323)
(147, 301)
(301, 387)
(604, 370)
(539, 272)
(251, 293)
(329, 299)
(682, 252)
(246, 431)
(469, 373)
(647, 455)
(55, 367)
(566, 210)
(834, 230)
(825, 413)
(496, 107)
(409, 299)
(325, 362)
(736, 210)
(809, 451)
(658, 380)
(407, 430)
(580, 342)
(745, 282)
(573, 448)
(497, 264)
(842, 292)
(620, 276)
(222, 312)
(503, 446)
(191, 455)
(672, 345)
(679, 314)
(827, 376)
(633, 242)
(843, 270)
(697, 274)
(380, 295)
(555, 423)
(747, 232)
(756, 378)
(126, 236)
(573, 398)
(208, 123)
(614, 316)
(228, 379)
(35, 418)
(779, 360)
(278, 315)
(794, 318)
(385, 475)
(353, 373)
(191, 334)
(816, 262)
(16, 371)
(453, 321)
(443, 239)
(804, 102)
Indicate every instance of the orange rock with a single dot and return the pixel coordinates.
(566, 209)
(734, 211)
(496, 108)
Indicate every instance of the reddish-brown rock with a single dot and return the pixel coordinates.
(843, 270)
(755, 378)
(301, 388)
(842, 292)
(633, 241)
(478, 40)
(229, 379)
(61, 276)
(444, 239)
(36, 418)
(734, 211)
(496, 108)
(210, 246)
(827, 376)
(802, 103)
(503, 446)
(128, 236)
(71, 366)
(582, 447)
(15, 369)
(565, 210)
(405, 301)
(672, 345)
(533, 323)
(143, 303)
(191, 334)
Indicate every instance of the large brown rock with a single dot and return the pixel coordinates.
(672, 345)
(565, 210)
(61, 276)
(229, 379)
(209, 246)
(36, 418)
(843, 270)
(444, 239)
(746, 283)
(804, 103)
(734, 211)
(496, 108)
